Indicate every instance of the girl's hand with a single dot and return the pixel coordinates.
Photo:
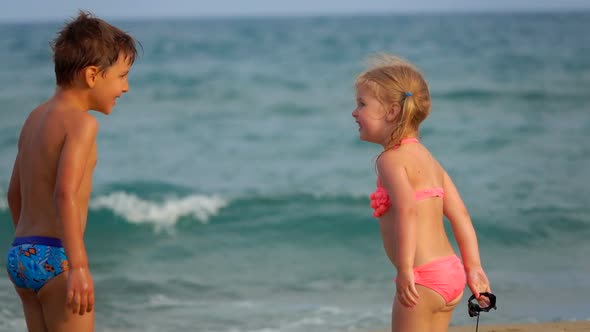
(406, 291)
(478, 283)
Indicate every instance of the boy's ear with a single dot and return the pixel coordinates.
(393, 113)
(90, 75)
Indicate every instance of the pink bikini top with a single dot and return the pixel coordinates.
(380, 201)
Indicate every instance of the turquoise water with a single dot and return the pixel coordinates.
(231, 192)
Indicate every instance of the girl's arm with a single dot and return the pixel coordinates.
(455, 210)
(398, 225)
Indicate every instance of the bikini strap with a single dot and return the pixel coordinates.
(406, 141)
(409, 140)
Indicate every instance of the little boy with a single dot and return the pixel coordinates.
(51, 180)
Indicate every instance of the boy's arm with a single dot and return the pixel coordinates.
(14, 195)
(70, 172)
(398, 227)
(72, 165)
(455, 210)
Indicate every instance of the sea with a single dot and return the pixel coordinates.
(231, 192)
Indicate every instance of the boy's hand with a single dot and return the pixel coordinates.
(406, 288)
(478, 283)
(80, 296)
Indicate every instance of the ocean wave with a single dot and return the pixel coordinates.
(162, 214)
(326, 216)
(490, 94)
(155, 206)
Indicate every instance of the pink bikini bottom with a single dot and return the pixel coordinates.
(445, 276)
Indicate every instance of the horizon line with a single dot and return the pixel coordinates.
(271, 15)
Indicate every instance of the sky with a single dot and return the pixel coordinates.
(52, 10)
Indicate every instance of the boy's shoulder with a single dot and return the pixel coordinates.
(67, 119)
(67, 111)
(79, 122)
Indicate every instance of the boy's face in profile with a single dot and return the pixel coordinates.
(111, 84)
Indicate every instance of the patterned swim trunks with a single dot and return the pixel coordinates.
(34, 260)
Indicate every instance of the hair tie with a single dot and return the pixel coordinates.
(408, 93)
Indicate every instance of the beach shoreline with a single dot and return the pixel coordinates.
(528, 327)
(575, 326)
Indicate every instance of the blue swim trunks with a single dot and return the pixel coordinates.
(34, 260)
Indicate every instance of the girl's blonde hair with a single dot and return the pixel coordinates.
(395, 81)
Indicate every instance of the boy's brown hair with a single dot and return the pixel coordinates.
(89, 41)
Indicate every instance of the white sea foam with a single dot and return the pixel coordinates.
(330, 310)
(3, 202)
(161, 300)
(10, 321)
(244, 304)
(305, 322)
(161, 214)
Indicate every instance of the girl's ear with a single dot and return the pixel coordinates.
(90, 75)
(393, 113)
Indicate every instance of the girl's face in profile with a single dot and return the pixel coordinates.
(371, 117)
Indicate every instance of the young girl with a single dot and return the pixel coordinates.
(413, 193)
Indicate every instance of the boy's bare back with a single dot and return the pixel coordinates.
(55, 136)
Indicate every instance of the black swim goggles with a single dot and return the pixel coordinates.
(473, 306)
